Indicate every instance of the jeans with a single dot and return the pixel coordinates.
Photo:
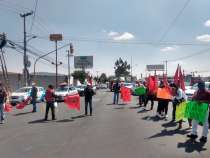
(116, 98)
(88, 103)
(205, 126)
(2, 111)
(50, 105)
(33, 101)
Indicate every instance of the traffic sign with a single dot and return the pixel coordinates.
(83, 62)
(56, 37)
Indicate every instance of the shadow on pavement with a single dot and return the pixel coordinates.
(169, 124)
(23, 113)
(165, 132)
(142, 111)
(110, 104)
(119, 108)
(134, 107)
(79, 116)
(38, 121)
(152, 118)
(64, 121)
(191, 146)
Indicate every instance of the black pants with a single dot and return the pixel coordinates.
(88, 102)
(142, 99)
(150, 98)
(162, 106)
(175, 103)
(50, 105)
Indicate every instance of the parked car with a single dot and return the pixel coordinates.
(62, 92)
(194, 88)
(23, 93)
(80, 89)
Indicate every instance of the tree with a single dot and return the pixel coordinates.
(103, 78)
(79, 75)
(121, 68)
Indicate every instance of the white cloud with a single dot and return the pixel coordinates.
(113, 33)
(124, 37)
(167, 49)
(203, 38)
(207, 23)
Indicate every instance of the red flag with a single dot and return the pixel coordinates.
(73, 102)
(8, 107)
(181, 80)
(176, 76)
(126, 94)
(152, 84)
(23, 104)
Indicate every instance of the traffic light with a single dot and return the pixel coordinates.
(3, 41)
(71, 49)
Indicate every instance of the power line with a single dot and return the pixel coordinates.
(174, 20)
(191, 55)
(34, 15)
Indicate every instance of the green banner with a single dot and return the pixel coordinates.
(180, 111)
(140, 91)
(197, 111)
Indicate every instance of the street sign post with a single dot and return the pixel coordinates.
(56, 38)
(83, 62)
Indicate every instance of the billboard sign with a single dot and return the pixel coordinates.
(159, 67)
(83, 62)
(56, 37)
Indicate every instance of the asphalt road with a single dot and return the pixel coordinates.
(114, 131)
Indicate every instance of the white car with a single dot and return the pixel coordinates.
(189, 92)
(62, 92)
(23, 93)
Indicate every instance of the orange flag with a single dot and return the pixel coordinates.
(73, 102)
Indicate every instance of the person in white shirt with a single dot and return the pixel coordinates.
(179, 97)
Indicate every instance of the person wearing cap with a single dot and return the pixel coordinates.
(33, 96)
(88, 93)
(202, 96)
(3, 98)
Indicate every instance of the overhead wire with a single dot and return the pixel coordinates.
(174, 20)
(34, 15)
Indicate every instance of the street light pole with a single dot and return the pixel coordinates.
(25, 70)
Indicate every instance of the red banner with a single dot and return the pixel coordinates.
(23, 104)
(126, 94)
(73, 102)
(8, 107)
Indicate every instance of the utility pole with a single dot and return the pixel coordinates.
(131, 69)
(56, 38)
(166, 64)
(70, 53)
(25, 61)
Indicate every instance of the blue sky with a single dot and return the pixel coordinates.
(128, 22)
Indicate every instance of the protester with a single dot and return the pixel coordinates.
(150, 96)
(116, 89)
(3, 98)
(202, 96)
(178, 98)
(162, 110)
(88, 93)
(33, 96)
(50, 100)
(141, 96)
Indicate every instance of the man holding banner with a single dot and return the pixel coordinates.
(201, 96)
